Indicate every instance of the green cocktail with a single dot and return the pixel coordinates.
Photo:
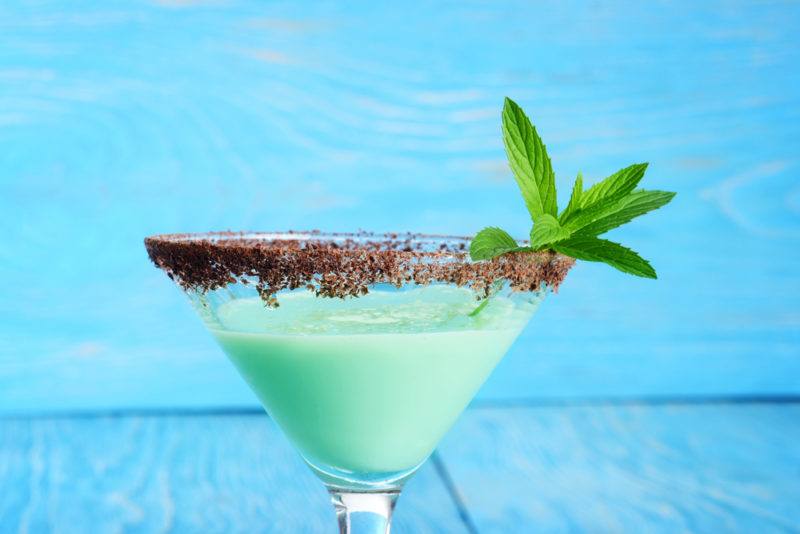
(363, 348)
(370, 384)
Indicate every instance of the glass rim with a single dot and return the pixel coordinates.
(355, 240)
(334, 264)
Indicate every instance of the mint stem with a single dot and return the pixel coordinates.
(496, 287)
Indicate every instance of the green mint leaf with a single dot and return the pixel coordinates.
(594, 249)
(528, 159)
(580, 218)
(615, 186)
(547, 230)
(603, 196)
(624, 210)
(574, 200)
(491, 242)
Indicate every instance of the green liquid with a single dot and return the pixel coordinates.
(368, 384)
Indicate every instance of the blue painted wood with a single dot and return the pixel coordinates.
(177, 474)
(696, 468)
(118, 120)
(688, 468)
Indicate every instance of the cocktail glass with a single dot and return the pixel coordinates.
(364, 348)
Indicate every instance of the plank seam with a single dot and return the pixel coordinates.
(455, 495)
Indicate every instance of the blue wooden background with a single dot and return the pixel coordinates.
(626, 403)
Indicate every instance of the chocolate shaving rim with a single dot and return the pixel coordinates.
(343, 264)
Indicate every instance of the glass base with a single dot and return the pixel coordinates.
(357, 482)
(364, 512)
(364, 501)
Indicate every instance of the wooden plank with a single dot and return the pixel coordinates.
(177, 474)
(121, 121)
(689, 468)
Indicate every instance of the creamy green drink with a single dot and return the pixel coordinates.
(369, 384)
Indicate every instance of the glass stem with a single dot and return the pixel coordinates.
(364, 513)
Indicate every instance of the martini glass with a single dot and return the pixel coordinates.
(363, 348)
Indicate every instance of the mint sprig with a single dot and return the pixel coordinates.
(606, 205)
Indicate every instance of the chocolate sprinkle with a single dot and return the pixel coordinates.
(343, 265)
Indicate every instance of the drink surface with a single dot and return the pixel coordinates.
(368, 384)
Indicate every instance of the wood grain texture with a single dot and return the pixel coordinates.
(174, 475)
(119, 120)
(692, 468)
